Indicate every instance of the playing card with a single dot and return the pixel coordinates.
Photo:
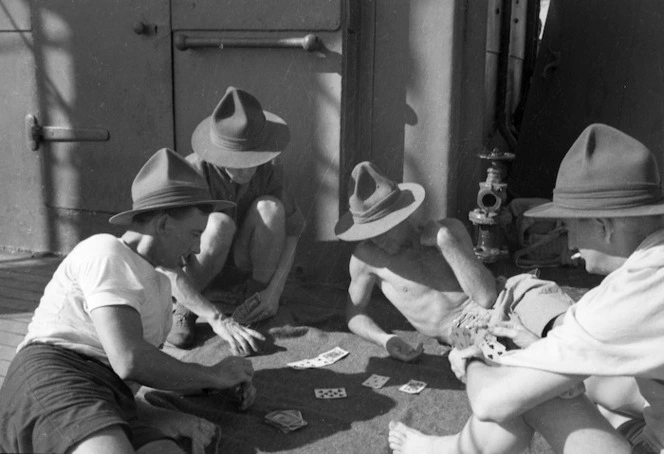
(491, 348)
(460, 337)
(302, 364)
(330, 393)
(375, 381)
(413, 387)
(324, 359)
(333, 355)
(243, 311)
(285, 420)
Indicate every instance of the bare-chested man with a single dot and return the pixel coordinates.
(431, 275)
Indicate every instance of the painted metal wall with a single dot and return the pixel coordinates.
(400, 83)
(599, 61)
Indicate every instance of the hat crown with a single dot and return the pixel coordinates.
(607, 169)
(370, 192)
(238, 121)
(167, 178)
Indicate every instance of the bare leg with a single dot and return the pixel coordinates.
(476, 437)
(215, 245)
(616, 395)
(111, 440)
(261, 239)
(569, 425)
(575, 426)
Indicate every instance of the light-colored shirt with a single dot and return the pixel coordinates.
(100, 271)
(616, 329)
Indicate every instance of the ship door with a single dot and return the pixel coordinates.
(287, 53)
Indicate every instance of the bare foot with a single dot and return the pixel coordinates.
(404, 440)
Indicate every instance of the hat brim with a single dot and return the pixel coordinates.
(412, 196)
(125, 217)
(550, 210)
(277, 137)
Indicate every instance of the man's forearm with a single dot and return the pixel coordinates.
(186, 294)
(362, 325)
(156, 369)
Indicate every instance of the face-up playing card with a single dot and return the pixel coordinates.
(491, 348)
(375, 381)
(330, 393)
(303, 364)
(333, 355)
(324, 359)
(241, 314)
(413, 387)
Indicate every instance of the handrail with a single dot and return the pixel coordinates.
(309, 43)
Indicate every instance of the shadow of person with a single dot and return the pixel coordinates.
(281, 389)
(357, 423)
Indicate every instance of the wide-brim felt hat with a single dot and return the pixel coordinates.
(166, 181)
(605, 173)
(376, 204)
(240, 134)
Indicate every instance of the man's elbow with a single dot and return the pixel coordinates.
(486, 299)
(127, 365)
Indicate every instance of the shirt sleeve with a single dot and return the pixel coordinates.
(109, 281)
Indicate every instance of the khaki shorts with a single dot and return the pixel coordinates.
(537, 302)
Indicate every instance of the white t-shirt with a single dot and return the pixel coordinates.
(616, 329)
(100, 271)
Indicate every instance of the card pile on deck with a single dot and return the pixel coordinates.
(324, 359)
(286, 420)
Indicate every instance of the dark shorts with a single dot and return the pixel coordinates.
(53, 398)
(632, 430)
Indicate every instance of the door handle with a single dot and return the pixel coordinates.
(310, 43)
(36, 134)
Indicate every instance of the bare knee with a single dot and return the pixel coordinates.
(219, 231)
(270, 209)
(161, 447)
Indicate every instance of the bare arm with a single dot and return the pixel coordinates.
(502, 393)
(359, 295)
(360, 323)
(452, 239)
(132, 358)
(270, 296)
(241, 339)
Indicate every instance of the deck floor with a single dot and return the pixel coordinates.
(22, 281)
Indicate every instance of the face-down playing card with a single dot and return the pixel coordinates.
(330, 393)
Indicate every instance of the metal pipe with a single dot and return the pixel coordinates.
(309, 43)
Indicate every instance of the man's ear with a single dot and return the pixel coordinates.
(607, 228)
(162, 224)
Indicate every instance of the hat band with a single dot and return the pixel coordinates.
(238, 143)
(584, 199)
(172, 195)
(379, 210)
